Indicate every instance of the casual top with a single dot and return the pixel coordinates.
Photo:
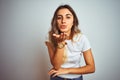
(73, 52)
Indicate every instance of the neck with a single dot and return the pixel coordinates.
(69, 35)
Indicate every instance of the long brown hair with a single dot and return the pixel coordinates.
(54, 26)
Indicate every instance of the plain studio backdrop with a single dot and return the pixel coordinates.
(25, 23)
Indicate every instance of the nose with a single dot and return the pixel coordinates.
(63, 20)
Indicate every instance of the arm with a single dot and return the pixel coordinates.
(56, 55)
(88, 68)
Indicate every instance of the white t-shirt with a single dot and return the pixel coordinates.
(73, 51)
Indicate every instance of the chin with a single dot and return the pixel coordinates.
(63, 30)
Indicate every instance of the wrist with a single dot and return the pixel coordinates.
(61, 45)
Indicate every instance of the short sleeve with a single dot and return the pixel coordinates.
(85, 43)
(47, 38)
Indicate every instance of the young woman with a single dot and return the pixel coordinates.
(66, 44)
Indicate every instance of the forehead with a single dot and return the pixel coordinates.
(64, 11)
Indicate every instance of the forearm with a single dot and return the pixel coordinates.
(56, 55)
(58, 58)
(82, 70)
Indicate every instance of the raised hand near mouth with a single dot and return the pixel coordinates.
(60, 37)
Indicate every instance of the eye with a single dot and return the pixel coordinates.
(59, 17)
(68, 17)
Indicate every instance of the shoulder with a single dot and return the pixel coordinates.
(78, 37)
(84, 37)
(47, 37)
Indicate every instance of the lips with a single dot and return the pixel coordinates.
(63, 26)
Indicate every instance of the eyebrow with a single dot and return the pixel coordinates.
(66, 15)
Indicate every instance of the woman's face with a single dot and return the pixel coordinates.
(64, 20)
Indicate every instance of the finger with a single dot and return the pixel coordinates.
(55, 74)
(52, 72)
(65, 36)
(59, 38)
(55, 35)
(61, 35)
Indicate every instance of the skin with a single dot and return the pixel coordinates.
(65, 22)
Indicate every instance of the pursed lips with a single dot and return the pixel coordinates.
(63, 26)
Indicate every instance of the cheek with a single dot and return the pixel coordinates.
(70, 23)
(58, 25)
(58, 22)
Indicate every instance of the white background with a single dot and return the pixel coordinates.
(24, 24)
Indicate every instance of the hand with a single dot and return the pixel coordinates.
(54, 72)
(61, 37)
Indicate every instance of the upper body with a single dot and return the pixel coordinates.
(66, 44)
